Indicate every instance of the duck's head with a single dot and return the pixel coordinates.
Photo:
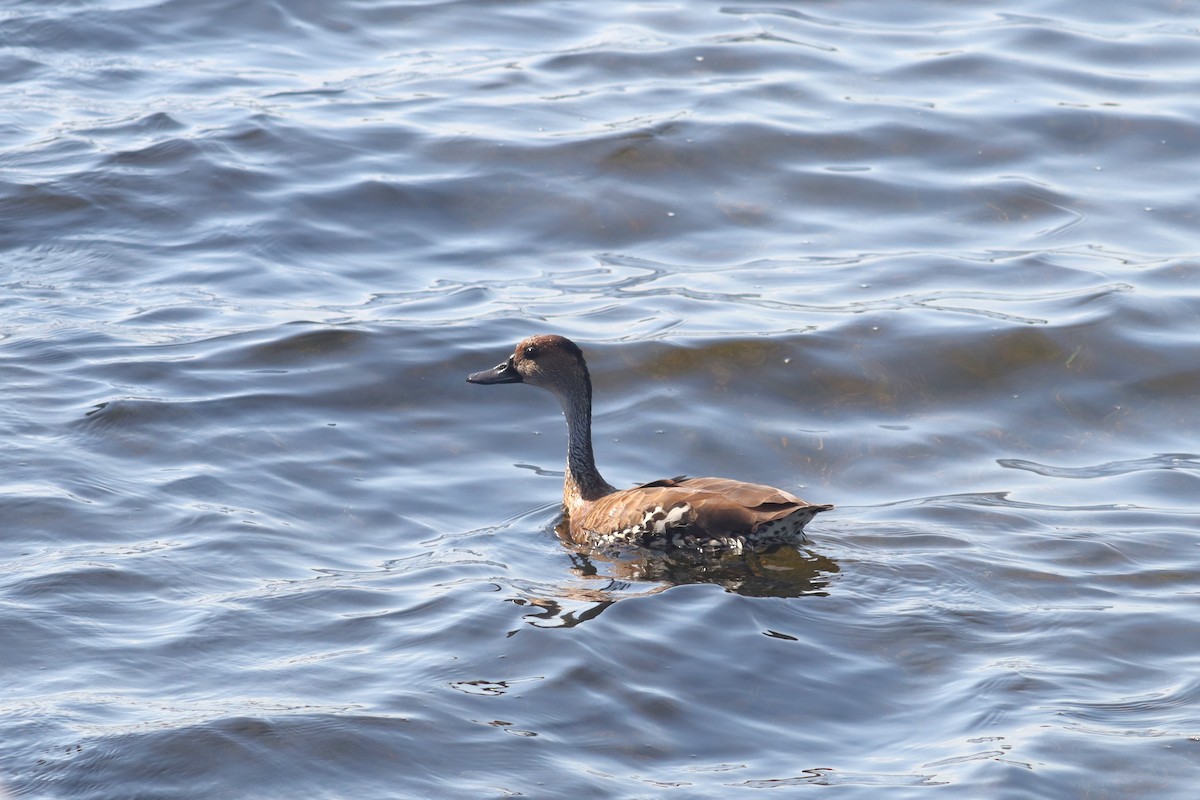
(548, 360)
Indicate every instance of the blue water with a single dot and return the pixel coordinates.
(935, 263)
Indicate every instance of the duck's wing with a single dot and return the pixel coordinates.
(749, 495)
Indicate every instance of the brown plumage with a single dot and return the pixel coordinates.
(703, 513)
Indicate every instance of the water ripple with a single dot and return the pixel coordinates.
(1169, 461)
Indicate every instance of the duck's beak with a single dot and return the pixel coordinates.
(503, 372)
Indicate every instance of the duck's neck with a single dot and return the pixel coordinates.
(583, 481)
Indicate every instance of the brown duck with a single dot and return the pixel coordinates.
(695, 513)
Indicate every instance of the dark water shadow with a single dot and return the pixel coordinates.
(784, 571)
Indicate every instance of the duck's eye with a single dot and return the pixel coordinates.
(531, 351)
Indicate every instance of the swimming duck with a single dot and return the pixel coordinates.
(674, 513)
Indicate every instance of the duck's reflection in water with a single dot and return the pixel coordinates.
(783, 571)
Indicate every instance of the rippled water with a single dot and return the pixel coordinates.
(936, 263)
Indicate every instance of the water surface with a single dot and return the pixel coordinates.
(934, 263)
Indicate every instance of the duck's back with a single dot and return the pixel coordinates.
(694, 512)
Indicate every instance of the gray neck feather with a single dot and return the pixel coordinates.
(581, 463)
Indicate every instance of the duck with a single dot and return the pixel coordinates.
(673, 514)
